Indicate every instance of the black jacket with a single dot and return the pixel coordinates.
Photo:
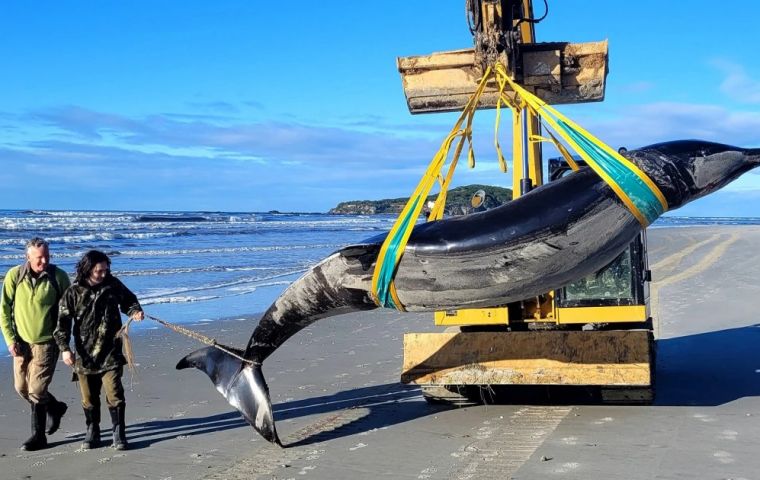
(95, 314)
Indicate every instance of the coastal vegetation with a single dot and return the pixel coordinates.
(458, 201)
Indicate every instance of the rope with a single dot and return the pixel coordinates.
(198, 336)
(123, 333)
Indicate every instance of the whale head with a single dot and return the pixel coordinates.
(685, 170)
(243, 386)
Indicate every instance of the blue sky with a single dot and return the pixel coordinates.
(243, 106)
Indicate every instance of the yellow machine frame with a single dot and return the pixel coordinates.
(537, 310)
(614, 358)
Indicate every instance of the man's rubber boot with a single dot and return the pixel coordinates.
(92, 437)
(38, 440)
(55, 412)
(119, 428)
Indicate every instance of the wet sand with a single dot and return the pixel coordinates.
(343, 413)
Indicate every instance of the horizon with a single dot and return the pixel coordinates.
(211, 107)
(304, 212)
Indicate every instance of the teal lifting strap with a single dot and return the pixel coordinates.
(639, 192)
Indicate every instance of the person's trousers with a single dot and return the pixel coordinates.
(110, 381)
(33, 371)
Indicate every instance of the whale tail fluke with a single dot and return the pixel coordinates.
(243, 386)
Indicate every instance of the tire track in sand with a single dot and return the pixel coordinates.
(710, 258)
(503, 446)
(306, 445)
(267, 458)
(680, 255)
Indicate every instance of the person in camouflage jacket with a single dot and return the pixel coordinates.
(92, 307)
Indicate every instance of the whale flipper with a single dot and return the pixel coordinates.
(243, 386)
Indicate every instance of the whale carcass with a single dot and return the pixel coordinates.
(550, 237)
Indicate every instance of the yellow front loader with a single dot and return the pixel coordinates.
(593, 334)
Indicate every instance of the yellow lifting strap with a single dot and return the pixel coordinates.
(635, 189)
(562, 149)
(383, 288)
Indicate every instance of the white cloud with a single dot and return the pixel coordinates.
(737, 84)
(204, 162)
(663, 121)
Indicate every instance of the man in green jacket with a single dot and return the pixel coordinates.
(28, 316)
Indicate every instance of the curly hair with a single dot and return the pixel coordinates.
(87, 263)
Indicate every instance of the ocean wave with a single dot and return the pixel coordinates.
(253, 288)
(92, 237)
(234, 292)
(170, 218)
(237, 283)
(180, 270)
(13, 241)
(183, 251)
(197, 251)
(66, 226)
(178, 299)
(78, 213)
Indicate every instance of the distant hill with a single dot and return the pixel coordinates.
(458, 202)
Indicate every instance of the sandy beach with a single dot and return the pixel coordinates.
(343, 413)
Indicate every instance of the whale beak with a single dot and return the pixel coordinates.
(242, 385)
(754, 155)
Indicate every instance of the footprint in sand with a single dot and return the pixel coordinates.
(427, 473)
(704, 418)
(723, 456)
(604, 420)
(566, 467)
(314, 455)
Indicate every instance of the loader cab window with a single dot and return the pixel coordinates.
(610, 285)
(618, 283)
